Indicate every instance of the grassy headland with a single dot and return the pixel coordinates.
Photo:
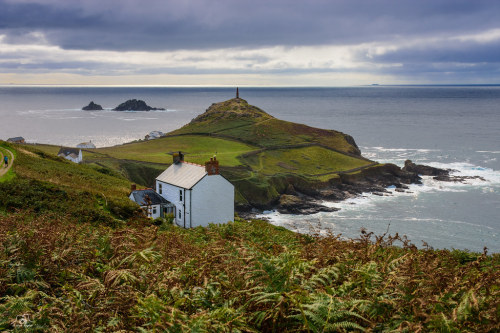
(259, 154)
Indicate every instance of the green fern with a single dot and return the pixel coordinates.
(326, 313)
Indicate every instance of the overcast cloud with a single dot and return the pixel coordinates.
(252, 41)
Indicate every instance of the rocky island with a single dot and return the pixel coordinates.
(135, 105)
(92, 107)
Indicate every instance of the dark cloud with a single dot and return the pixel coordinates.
(198, 24)
(418, 37)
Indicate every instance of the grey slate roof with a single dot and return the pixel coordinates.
(68, 151)
(15, 139)
(140, 197)
(183, 174)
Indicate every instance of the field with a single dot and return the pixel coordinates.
(197, 149)
(307, 161)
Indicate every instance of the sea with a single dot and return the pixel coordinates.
(451, 127)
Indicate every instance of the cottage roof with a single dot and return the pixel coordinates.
(140, 197)
(16, 139)
(68, 151)
(183, 174)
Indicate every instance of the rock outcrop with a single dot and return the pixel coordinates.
(135, 105)
(424, 170)
(292, 204)
(92, 107)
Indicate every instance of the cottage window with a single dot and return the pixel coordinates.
(154, 210)
(159, 188)
(180, 195)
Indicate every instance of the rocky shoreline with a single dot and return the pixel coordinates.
(373, 180)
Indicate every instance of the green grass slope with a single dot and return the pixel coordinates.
(44, 183)
(237, 119)
(197, 149)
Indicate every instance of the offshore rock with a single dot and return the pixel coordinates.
(292, 204)
(424, 170)
(458, 179)
(92, 107)
(135, 105)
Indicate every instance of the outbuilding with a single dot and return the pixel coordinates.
(151, 202)
(17, 139)
(199, 193)
(72, 154)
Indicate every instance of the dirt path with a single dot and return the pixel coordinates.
(3, 170)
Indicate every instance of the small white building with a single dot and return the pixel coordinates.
(72, 154)
(199, 193)
(154, 135)
(86, 145)
(153, 204)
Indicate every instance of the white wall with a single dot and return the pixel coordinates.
(213, 201)
(171, 193)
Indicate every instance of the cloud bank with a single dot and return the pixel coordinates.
(338, 42)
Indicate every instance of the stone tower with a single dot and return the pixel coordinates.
(237, 93)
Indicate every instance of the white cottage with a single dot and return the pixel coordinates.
(86, 145)
(72, 154)
(200, 194)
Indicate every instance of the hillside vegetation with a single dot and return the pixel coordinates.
(43, 183)
(76, 256)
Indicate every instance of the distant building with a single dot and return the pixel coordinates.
(72, 154)
(199, 193)
(86, 145)
(17, 139)
(153, 204)
(154, 135)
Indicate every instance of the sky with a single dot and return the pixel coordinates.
(249, 42)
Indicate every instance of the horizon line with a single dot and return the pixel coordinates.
(247, 86)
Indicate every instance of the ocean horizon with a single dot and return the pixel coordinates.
(447, 126)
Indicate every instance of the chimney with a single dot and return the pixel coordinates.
(178, 157)
(237, 93)
(212, 166)
(133, 187)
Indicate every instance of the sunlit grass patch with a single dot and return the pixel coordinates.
(197, 149)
